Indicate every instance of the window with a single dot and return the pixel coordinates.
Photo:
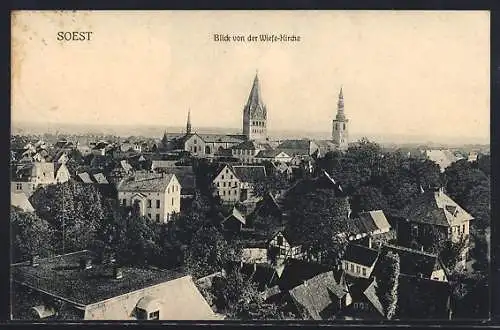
(158, 218)
(352, 268)
(224, 183)
(364, 271)
(231, 177)
(224, 193)
(168, 190)
(19, 186)
(157, 203)
(227, 170)
(194, 149)
(218, 185)
(124, 202)
(344, 126)
(280, 240)
(154, 315)
(172, 201)
(358, 269)
(194, 141)
(222, 177)
(149, 203)
(463, 228)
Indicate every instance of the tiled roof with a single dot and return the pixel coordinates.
(369, 222)
(85, 177)
(247, 145)
(125, 165)
(21, 201)
(237, 215)
(100, 178)
(360, 254)
(295, 147)
(436, 208)
(185, 175)
(269, 153)
(317, 294)
(61, 276)
(147, 182)
(413, 262)
(296, 272)
(249, 173)
(371, 294)
(220, 138)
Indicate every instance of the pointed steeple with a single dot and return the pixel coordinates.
(255, 98)
(188, 125)
(340, 105)
(164, 140)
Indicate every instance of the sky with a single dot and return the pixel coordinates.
(402, 72)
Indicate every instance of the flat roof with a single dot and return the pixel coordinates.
(61, 276)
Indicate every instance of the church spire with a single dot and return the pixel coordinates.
(188, 125)
(340, 105)
(255, 98)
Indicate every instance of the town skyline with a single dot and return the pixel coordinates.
(155, 83)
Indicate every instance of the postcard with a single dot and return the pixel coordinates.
(250, 165)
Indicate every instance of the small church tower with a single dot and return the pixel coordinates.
(188, 124)
(255, 114)
(340, 130)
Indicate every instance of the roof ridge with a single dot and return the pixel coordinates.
(411, 250)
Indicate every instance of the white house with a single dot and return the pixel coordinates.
(236, 183)
(359, 261)
(158, 195)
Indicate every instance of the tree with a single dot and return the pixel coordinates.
(388, 282)
(239, 298)
(30, 236)
(74, 210)
(209, 252)
(452, 252)
(368, 198)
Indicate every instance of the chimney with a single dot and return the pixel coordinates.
(421, 248)
(369, 242)
(34, 260)
(85, 263)
(117, 272)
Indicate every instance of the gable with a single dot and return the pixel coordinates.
(223, 172)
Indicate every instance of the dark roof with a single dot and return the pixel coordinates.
(61, 276)
(185, 175)
(250, 173)
(436, 208)
(413, 262)
(319, 295)
(295, 272)
(360, 254)
(428, 299)
(246, 145)
(295, 147)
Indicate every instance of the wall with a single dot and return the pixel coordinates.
(231, 191)
(347, 266)
(26, 187)
(195, 142)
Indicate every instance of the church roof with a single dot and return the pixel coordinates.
(255, 104)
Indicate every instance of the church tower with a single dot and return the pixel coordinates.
(188, 125)
(340, 130)
(255, 114)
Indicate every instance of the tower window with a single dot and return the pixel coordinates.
(344, 126)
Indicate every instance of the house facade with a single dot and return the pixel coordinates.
(27, 178)
(359, 261)
(282, 246)
(158, 196)
(236, 183)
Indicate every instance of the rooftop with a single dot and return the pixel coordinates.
(414, 262)
(360, 254)
(61, 276)
(147, 182)
(247, 173)
(436, 208)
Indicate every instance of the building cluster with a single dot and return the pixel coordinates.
(158, 177)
